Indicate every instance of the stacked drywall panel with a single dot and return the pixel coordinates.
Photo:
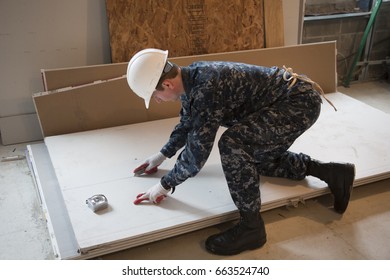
(101, 161)
(84, 160)
(88, 97)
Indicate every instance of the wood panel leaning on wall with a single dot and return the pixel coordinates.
(184, 27)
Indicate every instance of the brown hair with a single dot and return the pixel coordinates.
(170, 74)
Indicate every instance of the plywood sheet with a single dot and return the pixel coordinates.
(75, 76)
(111, 102)
(317, 61)
(97, 105)
(273, 23)
(101, 161)
(303, 58)
(293, 13)
(184, 27)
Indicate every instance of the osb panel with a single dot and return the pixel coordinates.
(274, 23)
(184, 27)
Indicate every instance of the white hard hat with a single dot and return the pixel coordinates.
(144, 71)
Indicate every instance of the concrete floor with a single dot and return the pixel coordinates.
(310, 231)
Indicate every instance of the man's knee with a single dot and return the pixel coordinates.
(225, 142)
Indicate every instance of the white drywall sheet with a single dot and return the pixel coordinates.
(101, 161)
(60, 228)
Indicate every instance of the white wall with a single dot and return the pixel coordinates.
(37, 34)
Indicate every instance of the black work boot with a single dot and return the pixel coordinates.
(339, 177)
(248, 234)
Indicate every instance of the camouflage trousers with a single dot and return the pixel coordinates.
(258, 145)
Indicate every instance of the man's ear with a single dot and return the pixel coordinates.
(167, 83)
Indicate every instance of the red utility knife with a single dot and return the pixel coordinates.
(142, 169)
(139, 200)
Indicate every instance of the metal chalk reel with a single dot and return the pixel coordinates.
(97, 202)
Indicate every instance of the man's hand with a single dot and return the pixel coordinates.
(155, 194)
(150, 164)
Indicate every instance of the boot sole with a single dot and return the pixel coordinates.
(236, 251)
(349, 178)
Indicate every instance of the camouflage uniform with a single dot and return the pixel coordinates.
(263, 118)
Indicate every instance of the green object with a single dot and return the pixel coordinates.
(371, 21)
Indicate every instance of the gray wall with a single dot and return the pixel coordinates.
(43, 34)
